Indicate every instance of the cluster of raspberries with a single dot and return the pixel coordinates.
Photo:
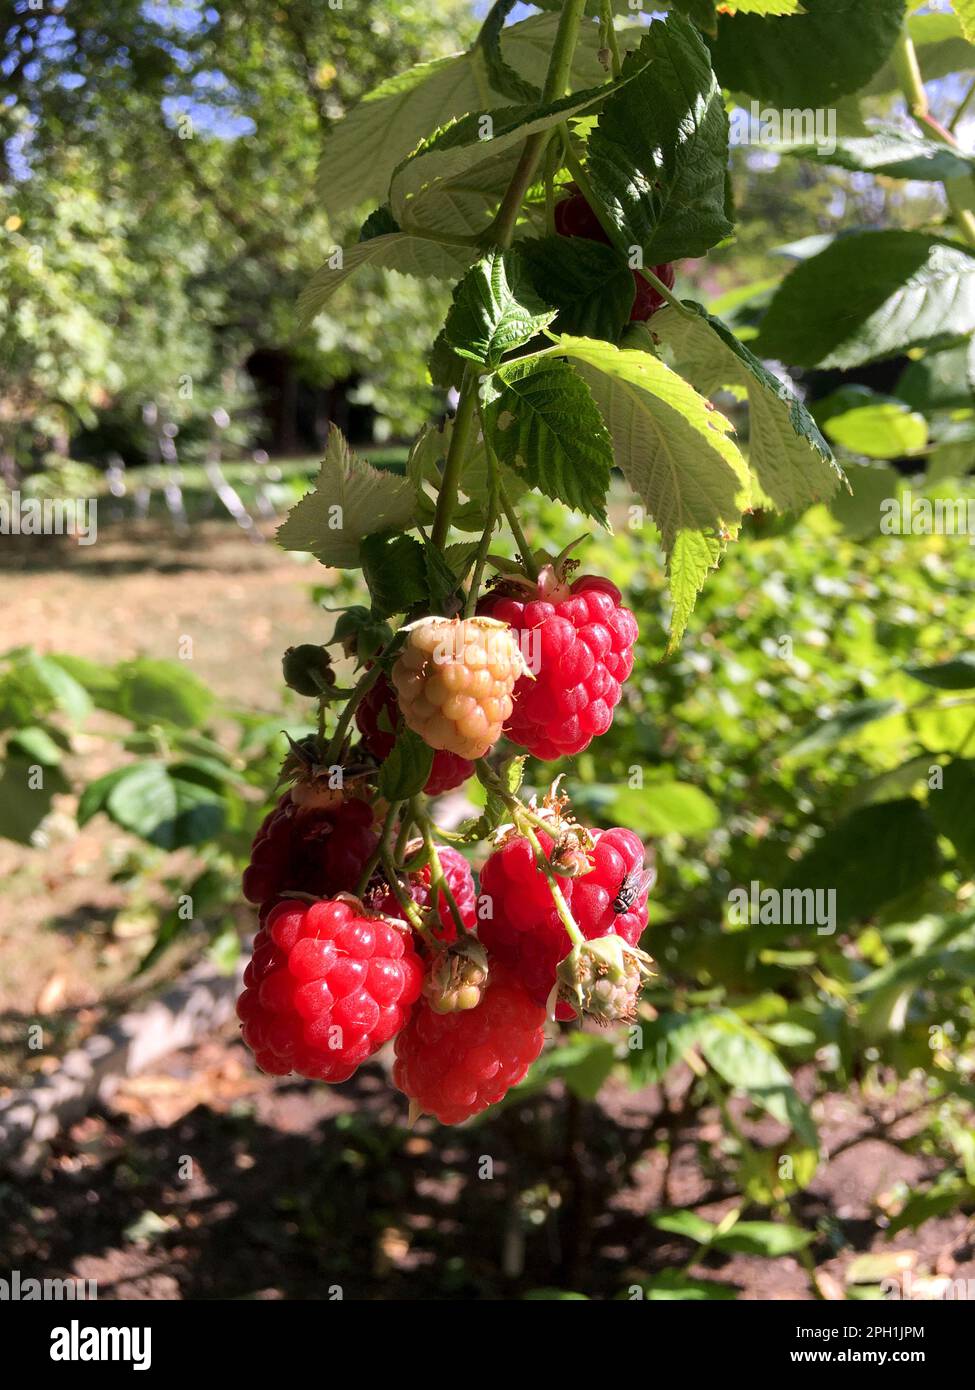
(332, 978)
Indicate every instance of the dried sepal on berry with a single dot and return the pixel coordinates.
(602, 979)
(457, 977)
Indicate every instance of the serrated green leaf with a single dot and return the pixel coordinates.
(591, 286)
(502, 76)
(791, 460)
(810, 59)
(395, 570)
(349, 501)
(871, 295)
(453, 181)
(363, 149)
(676, 454)
(410, 255)
(495, 310)
(546, 427)
(405, 770)
(893, 152)
(657, 159)
(965, 10)
(380, 222)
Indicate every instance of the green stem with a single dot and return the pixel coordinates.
(362, 687)
(371, 863)
(610, 40)
(556, 82)
(581, 179)
(489, 522)
(963, 105)
(459, 441)
(403, 838)
(558, 897)
(959, 192)
(438, 879)
(521, 540)
(406, 904)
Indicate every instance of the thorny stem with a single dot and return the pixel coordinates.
(959, 192)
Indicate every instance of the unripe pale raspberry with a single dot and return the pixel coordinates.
(457, 1064)
(578, 641)
(379, 706)
(327, 984)
(454, 680)
(523, 929)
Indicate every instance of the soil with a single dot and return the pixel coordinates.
(206, 1180)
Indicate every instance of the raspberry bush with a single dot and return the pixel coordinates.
(561, 229)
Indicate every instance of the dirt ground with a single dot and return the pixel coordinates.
(203, 1179)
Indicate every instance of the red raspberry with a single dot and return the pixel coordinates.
(454, 1065)
(316, 851)
(574, 217)
(578, 643)
(326, 986)
(460, 880)
(649, 299)
(449, 769)
(524, 930)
